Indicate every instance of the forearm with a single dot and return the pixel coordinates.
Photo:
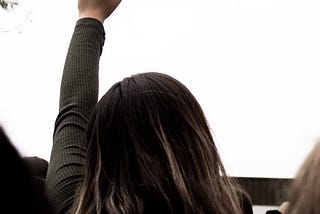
(80, 76)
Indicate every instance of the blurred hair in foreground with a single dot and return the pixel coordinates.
(305, 192)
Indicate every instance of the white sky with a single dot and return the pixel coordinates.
(252, 64)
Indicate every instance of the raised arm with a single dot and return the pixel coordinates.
(78, 96)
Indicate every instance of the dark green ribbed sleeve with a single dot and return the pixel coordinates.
(78, 96)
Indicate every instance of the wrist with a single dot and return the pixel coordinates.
(92, 14)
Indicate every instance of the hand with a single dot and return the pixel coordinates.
(284, 207)
(98, 9)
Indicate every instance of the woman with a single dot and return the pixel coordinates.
(20, 191)
(145, 147)
(305, 190)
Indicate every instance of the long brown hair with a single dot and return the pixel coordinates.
(150, 150)
(305, 191)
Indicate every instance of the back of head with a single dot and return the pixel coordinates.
(19, 194)
(305, 191)
(149, 149)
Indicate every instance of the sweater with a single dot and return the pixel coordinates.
(78, 96)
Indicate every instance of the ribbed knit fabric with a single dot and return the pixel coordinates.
(78, 96)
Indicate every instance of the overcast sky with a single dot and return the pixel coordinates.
(252, 64)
